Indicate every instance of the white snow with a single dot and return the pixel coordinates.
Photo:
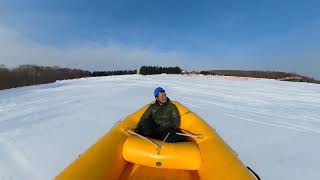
(274, 126)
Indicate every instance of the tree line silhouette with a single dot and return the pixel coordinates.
(148, 70)
(111, 73)
(254, 74)
(26, 75)
(262, 74)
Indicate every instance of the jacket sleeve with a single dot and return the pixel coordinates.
(175, 117)
(145, 125)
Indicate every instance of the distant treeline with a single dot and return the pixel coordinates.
(262, 74)
(111, 73)
(254, 74)
(26, 75)
(147, 70)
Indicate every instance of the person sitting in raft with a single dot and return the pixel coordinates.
(161, 118)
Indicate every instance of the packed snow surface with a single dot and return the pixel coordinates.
(274, 126)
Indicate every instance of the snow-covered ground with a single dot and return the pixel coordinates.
(274, 126)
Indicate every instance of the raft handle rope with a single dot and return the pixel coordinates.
(189, 134)
(159, 145)
(149, 140)
(165, 138)
(254, 173)
(143, 137)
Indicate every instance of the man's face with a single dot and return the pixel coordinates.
(162, 97)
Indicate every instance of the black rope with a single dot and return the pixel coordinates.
(254, 173)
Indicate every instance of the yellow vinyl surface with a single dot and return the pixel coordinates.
(180, 155)
(208, 157)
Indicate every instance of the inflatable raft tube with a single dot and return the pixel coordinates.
(123, 155)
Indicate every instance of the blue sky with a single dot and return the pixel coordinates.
(251, 35)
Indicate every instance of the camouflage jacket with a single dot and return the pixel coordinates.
(159, 117)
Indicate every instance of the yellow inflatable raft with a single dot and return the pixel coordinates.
(121, 154)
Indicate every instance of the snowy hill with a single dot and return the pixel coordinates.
(274, 126)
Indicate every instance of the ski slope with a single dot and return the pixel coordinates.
(274, 126)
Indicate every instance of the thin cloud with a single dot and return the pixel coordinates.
(17, 50)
